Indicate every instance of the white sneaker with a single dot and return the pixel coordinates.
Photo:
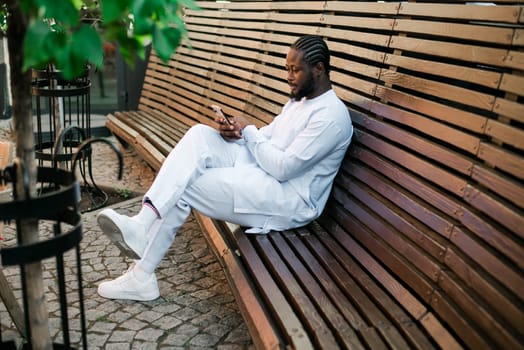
(127, 234)
(129, 287)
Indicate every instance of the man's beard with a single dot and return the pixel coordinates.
(307, 88)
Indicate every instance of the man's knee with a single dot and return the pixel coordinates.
(201, 129)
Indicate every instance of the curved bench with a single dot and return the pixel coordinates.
(422, 242)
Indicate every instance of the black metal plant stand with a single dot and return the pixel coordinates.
(63, 122)
(60, 206)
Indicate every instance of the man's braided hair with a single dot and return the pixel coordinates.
(315, 50)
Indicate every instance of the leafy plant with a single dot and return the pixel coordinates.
(124, 192)
(70, 34)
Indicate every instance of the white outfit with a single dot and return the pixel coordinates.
(275, 178)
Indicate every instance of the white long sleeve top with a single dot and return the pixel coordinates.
(288, 167)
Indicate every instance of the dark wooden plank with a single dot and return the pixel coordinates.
(339, 246)
(276, 301)
(259, 323)
(448, 114)
(502, 185)
(316, 257)
(506, 215)
(324, 302)
(507, 307)
(485, 322)
(302, 304)
(505, 160)
(423, 167)
(460, 11)
(456, 319)
(428, 240)
(498, 268)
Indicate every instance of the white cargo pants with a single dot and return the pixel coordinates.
(198, 173)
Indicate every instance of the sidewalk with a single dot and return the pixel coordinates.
(196, 309)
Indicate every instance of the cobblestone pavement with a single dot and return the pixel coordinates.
(196, 309)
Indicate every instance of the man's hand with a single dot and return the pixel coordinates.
(233, 131)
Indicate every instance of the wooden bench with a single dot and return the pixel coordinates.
(421, 244)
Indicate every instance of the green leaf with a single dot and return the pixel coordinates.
(70, 64)
(86, 43)
(190, 4)
(66, 12)
(165, 41)
(113, 10)
(143, 25)
(35, 53)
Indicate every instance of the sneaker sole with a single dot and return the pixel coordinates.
(130, 296)
(115, 235)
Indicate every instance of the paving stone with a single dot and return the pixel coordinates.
(149, 334)
(167, 322)
(121, 336)
(118, 346)
(207, 340)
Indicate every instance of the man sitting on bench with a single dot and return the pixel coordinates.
(274, 178)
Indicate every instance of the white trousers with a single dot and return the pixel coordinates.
(197, 173)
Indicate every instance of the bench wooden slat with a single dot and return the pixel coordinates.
(498, 269)
(120, 129)
(380, 248)
(498, 13)
(429, 241)
(357, 307)
(407, 301)
(419, 166)
(415, 187)
(438, 89)
(432, 227)
(448, 114)
(282, 310)
(358, 7)
(483, 77)
(510, 109)
(502, 159)
(505, 133)
(456, 31)
(425, 146)
(483, 318)
(495, 238)
(476, 281)
(338, 324)
(507, 188)
(434, 130)
(495, 209)
(469, 53)
(336, 295)
(399, 317)
(311, 317)
(257, 318)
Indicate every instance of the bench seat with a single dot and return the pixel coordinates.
(421, 244)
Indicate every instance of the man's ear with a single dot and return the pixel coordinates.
(319, 67)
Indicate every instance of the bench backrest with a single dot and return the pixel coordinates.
(431, 194)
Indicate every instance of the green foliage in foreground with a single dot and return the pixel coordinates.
(70, 33)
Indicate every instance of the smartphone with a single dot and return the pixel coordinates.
(218, 112)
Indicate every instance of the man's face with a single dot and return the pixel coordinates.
(299, 75)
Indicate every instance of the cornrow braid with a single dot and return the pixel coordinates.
(315, 50)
